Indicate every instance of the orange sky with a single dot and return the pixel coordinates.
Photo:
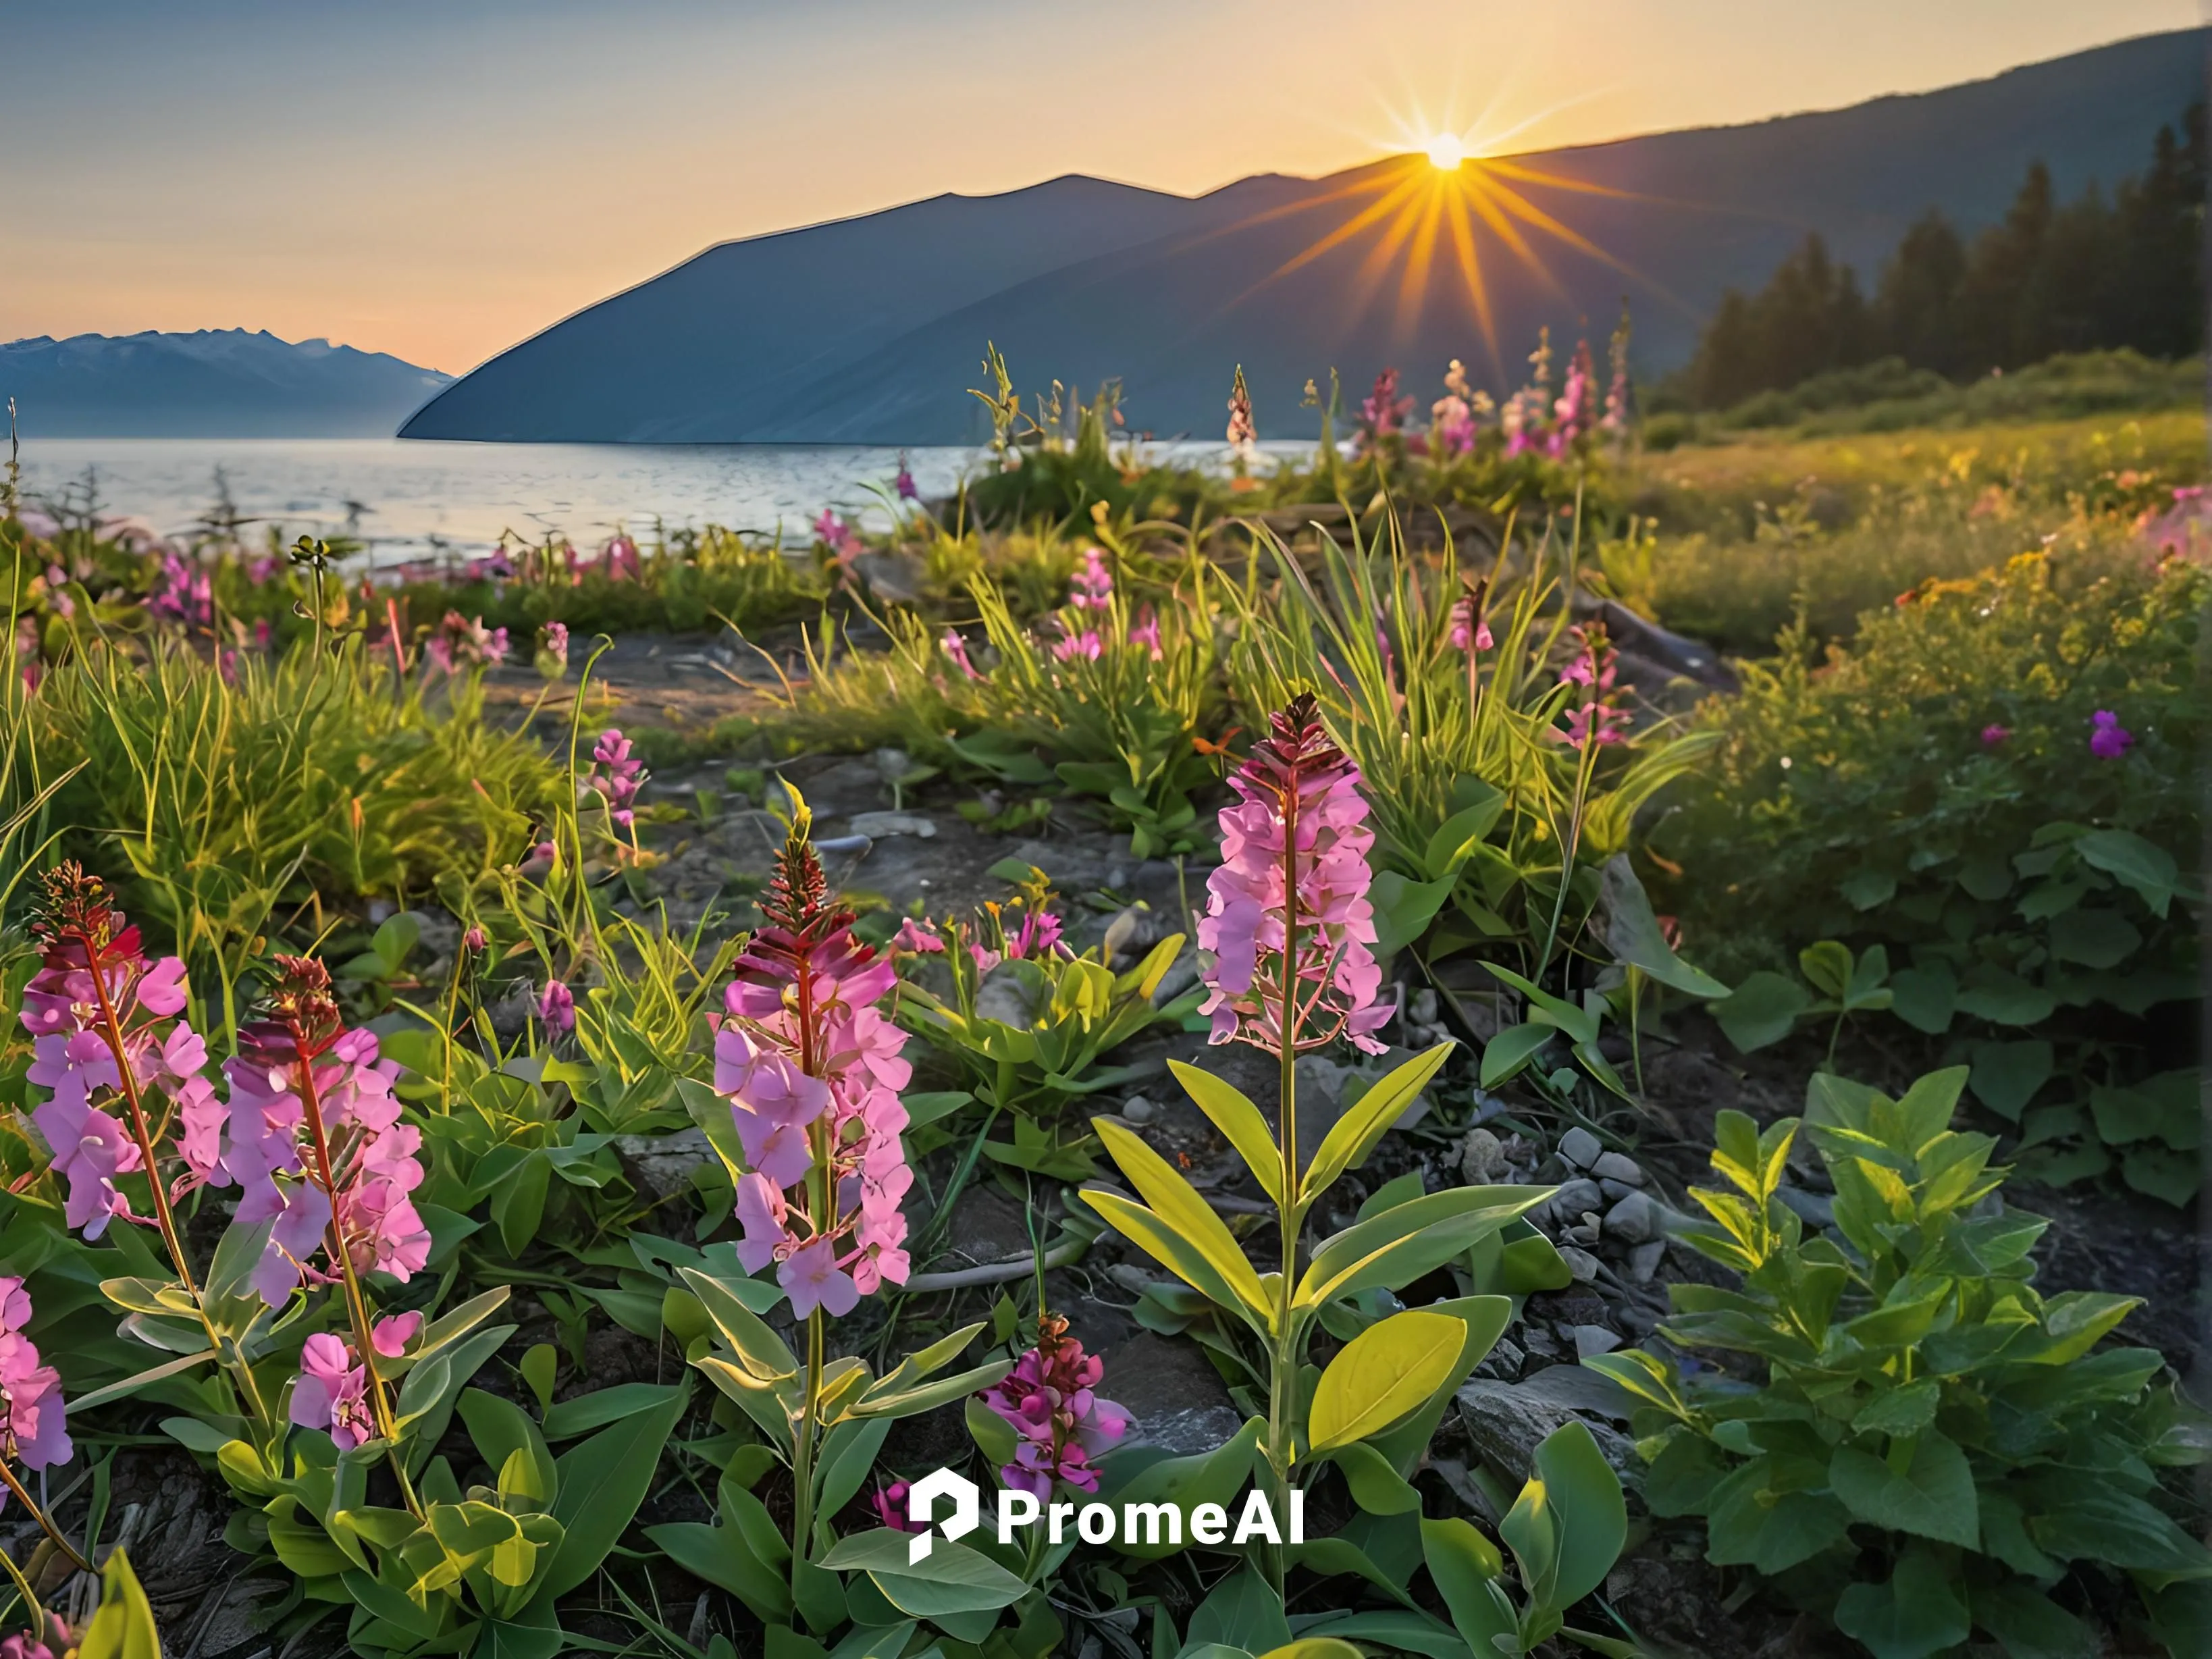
(438, 178)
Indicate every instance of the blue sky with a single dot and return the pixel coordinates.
(441, 178)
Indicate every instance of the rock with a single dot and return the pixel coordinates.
(1482, 1159)
(1567, 1207)
(986, 1226)
(1635, 1220)
(1172, 1391)
(1618, 1166)
(662, 1165)
(1580, 1148)
(900, 577)
(1424, 1006)
(1182, 974)
(879, 826)
(1507, 1421)
(1644, 1261)
(1814, 1209)
(1580, 1263)
(1503, 1361)
(1325, 1087)
(1004, 997)
(1137, 1109)
(1614, 1191)
(893, 764)
(1594, 1339)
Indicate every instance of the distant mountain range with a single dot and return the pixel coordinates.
(867, 330)
(218, 383)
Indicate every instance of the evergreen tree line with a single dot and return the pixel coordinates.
(2092, 274)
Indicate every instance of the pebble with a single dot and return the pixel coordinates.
(878, 826)
(1581, 1263)
(1594, 1339)
(1574, 1200)
(1424, 1006)
(1635, 1220)
(1618, 1166)
(1614, 1191)
(1137, 1109)
(1481, 1158)
(1580, 1148)
(1644, 1261)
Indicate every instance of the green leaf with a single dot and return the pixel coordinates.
(1761, 1011)
(123, 1626)
(1465, 1567)
(502, 1429)
(1752, 1523)
(1900, 1410)
(1933, 1496)
(1213, 1477)
(1584, 1496)
(1404, 909)
(1915, 1614)
(2094, 1521)
(1408, 1240)
(1240, 1123)
(2134, 862)
(1386, 1372)
(1633, 934)
(2094, 938)
(2029, 1624)
(950, 1579)
(1507, 1055)
(1353, 1136)
(1924, 998)
(1241, 1612)
(1376, 1486)
(2006, 1075)
(1177, 1206)
(1827, 965)
(1867, 889)
(602, 1482)
(2003, 998)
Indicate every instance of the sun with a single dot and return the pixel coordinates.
(1446, 150)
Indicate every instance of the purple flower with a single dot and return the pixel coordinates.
(2108, 739)
(617, 775)
(34, 1429)
(619, 560)
(553, 650)
(474, 941)
(904, 483)
(1063, 1425)
(556, 1008)
(837, 534)
(1382, 412)
(1091, 588)
(1085, 645)
(1146, 631)
(1294, 848)
(332, 1392)
(890, 1503)
(1994, 734)
(462, 643)
(917, 936)
(957, 648)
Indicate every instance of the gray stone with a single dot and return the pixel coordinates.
(1004, 997)
(1424, 1006)
(1618, 1166)
(1506, 1422)
(662, 1165)
(1635, 1220)
(1137, 1109)
(1580, 1148)
(1594, 1339)
(1581, 1263)
(1503, 1361)
(1567, 1207)
(1614, 1191)
(1481, 1158)
(1173, 1394)
(1644, 1261)
(880, 826)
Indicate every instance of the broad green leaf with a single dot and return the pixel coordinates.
(1466, 1567)
(1404, 909)
(502, 1429)
(1932, 1496)
(1386, 1372)
(2093, 938)
(1634, 936)
(950, 1579)
(1240, 1123)
(1761, 1010)
(1507, 1055)
(1584, 1494)
(1751, 1522)
(2006, 1075)
(759, 1350)
(602, 1482)
(1353, 1136)
(1214, 1477)
(2029, 1624)
(1408, 1240)
(122, 1627)
(2135, 863)
(1242, 1611)
(2097, 1522)
(1179, 1206)
(1915, 1614)
(1176, 1254)
(1376, 1486)
(1924, 998)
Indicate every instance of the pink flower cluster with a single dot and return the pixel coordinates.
(618, 560)
(957, 648)
(332, 1392)
(1470, 628)
(837, 533)
(95, 1006)
(617, 773)
(1294, 848)
(182, 592)
(1064, 1426)
(553, 650)
(812, 1070)
(1382, 412)
(1243, 435)
(460, 642)
(2108, 739)
(556, 1008)
(33, 1430)
(1614, 421)
(1594, 719)
(316, 1143)
(907, 489)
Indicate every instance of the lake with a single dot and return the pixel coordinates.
(415, 500)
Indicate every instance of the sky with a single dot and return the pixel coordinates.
(439, 178)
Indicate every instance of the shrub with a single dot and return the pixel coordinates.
(1940, 790)
(1934, 1446)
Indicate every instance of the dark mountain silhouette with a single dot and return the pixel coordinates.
(867, 330)
(218, 383)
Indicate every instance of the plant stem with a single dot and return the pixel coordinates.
(51, 1531)
(356, 1303)
(1283, 1380)
(802, 1459)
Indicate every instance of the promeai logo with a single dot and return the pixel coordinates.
(1255, 1521)
(921, 1498)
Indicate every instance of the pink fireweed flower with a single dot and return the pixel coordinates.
(957, 648)
(903, 485)
(556, 1008)
(317, 1145)
(1145, 632)
(1593, 723)
(837, 533)
(25, 1645)
(1614, 421)
(2108, 739)
(1470, 628)
(182, 592)
(1571, 413)
(1085, 645)
(332, 1392)
(1063, 1425)
(105, 1038)
(459, 643)
(1593, 664)
(619, 560)
(1382, 412)
(553, 650)
(812, 1070)
(616, 775)
(1243, 435)
(34, 1428)
(1454, 424)
(1294, 848)
(1091, 588)
(890, 1503)
(917, 936)
(1994, 734)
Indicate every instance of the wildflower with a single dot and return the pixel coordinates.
(316, 1142)
(1062, 1424)
(904, 483)
(619, 560)
(1594, 665)
(1470, 628)
(1614, 421)
(33, 1426)
(1454, 424)
(1294, 861)
(332, 1392)
(24, 1645)
(1085, 645)
(553, 650)
(2108, 739)
(957, 648)
(1993, 735)
(1593, 723)
(1091, 588)
(1243, 436)
(1146, 631)
(556, 1008)
(1571, 413)
(812, 1070)
(890, 1503)
(617, 775)
(1383, 411)
(182, 592)
(103, 1035)
(460, 642)
(917, 936)
(837, 534)
(473, 942)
